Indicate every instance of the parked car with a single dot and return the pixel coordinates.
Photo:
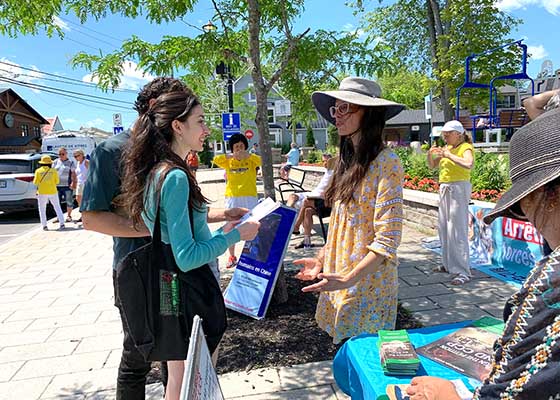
(17, 191)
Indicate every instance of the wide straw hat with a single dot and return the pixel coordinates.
(360, 91)
(45, 160)
(534, 160)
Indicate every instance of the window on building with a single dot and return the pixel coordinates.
(24, 130)
(36, 131)
(271, 116)
(506, 101)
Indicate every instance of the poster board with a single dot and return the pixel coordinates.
(200, 381)
(252, 284)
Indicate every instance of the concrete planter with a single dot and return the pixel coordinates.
(421, 209)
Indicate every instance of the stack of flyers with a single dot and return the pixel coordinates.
(397, 353)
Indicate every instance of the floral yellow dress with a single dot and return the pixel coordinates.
(371, 222)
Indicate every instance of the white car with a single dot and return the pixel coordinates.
(17, 191)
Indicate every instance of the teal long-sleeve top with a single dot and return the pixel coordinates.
(189, 252)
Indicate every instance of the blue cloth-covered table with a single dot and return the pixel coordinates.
(357, 368)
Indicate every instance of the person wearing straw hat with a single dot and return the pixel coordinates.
(455, 162)
(46, 179)
(526, 359)
(357, 267)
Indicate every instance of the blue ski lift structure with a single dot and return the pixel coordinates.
(509, 119)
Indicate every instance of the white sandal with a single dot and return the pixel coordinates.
(460, 279)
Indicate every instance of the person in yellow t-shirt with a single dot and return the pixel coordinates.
(46, 179)
(455, 161)
(241, 175)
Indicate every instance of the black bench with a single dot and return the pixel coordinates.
(294, 183)
(300, 180)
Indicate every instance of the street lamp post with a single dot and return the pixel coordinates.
(222, 68)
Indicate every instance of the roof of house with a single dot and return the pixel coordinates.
(47, 129)
(42, 120)
(414, 117)
(18, 141)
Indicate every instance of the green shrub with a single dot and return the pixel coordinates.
(490, 171)
(404, 154)
(205, 156)
(415, 165)
(314, 156)
(419, 167)
(309, 138)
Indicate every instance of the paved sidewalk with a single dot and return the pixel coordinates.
(60, 335)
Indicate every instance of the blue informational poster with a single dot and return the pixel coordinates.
(254, 279)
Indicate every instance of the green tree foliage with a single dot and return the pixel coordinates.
(435, 36)
(309, 138)
(252, 35)
(406, 87)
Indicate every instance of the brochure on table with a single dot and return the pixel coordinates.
(254, 279)
(200, 381)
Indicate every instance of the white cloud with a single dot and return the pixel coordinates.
(132, 78)
(15, 72)
(94, 123)
(61, 24)
(69, 120)
(552, 6)
(350, 28)
(537, 52)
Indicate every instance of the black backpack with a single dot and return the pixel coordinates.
(159, 301)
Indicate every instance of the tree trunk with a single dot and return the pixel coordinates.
(261, 119)
(439, 46)
(280, 294)
(261, 95)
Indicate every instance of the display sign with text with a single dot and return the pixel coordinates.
(251, 287)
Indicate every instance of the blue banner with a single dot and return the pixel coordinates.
(254, 279)
(507, 249)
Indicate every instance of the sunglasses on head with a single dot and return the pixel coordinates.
(342, 109)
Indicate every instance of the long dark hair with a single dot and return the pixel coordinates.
(353, 163)
(150, 152)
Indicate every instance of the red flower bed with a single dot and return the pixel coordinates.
(431, 185)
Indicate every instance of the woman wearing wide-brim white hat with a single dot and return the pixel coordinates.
(526, 358)
(357, 267)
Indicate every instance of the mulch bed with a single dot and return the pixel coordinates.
(288, 335)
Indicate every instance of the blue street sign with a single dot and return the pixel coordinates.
(231, 122)
(117, 130)
(227, 135)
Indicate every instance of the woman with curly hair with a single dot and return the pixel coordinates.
(156, 174)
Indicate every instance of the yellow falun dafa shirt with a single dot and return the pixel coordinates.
(46, 180)
(449, 171)
(241, 174)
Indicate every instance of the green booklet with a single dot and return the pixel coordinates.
(397, 353)
(468, 350)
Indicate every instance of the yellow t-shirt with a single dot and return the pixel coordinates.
(451, 172)
(46, 180)
(241, 175)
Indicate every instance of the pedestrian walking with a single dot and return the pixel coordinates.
(192, 161)
(292, 160)
(82, 167)
(67, 174)
(46, 179)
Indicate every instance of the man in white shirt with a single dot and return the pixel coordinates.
(307, 203)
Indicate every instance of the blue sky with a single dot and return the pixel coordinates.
(31, 55)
